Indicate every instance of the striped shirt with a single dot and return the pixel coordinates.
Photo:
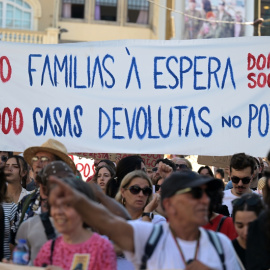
(9, 213)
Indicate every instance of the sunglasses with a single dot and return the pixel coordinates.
(154, 169)
(42, 159)
(157, 187)
(250, 201)
(196, 192)
(147, 191)
(4, 158)
(181, 166)
(236, 180)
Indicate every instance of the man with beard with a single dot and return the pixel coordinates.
(241, 174)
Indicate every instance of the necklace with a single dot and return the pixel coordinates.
(181, 252)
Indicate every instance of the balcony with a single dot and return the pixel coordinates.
(49, 36)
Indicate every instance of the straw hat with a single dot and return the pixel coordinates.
(52, 146)
(261, 183)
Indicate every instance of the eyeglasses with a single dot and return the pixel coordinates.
(42, 159)
(181, 166)
(196, 192)
(4, 158)
(157, 187)
(236, 179)
(250, 201)
(147, 191)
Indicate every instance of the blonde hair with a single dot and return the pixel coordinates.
(127, 180)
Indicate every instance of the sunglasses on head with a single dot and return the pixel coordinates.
(250, 201)
(147, 191)
(4, 158)
(196, 192)
(157, 187)
(236, 180)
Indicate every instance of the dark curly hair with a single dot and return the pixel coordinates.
(242, 161)
(124, 166)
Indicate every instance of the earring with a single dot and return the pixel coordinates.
(123, 201)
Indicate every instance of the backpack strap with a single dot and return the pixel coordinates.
(48, 227)
(151, 244)
(214, 239)
(220, 223)
(26, 204)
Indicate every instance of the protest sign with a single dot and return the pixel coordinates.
(217, 161)
(203, 97)
(85, 161)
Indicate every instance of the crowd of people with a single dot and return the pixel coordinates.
(130, 217)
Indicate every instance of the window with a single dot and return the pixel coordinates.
(265, 13)
(73, 9)
(106, 10)
(138, 11)
(15, 14)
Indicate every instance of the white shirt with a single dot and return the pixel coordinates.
(157, 219)
(166, 254)
(229, 197)
(123, 263)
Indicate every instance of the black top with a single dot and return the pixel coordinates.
(257, 246)
(241, 252)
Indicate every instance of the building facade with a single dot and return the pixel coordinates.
(62, 21)
(59, 21)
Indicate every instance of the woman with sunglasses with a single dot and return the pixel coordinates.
(246, 209)
(135, 193)
(124, 166)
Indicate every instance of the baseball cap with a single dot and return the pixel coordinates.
(182, 180)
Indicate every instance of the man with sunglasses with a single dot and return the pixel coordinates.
(182, 244)
(241, 174)
(182, 164)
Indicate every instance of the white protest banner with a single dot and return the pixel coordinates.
(203, 97)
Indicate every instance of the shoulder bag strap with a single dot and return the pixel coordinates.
(214, 239)
(26, 204)
(52, 248)
(151, 244)
(220, 223)
(48, 227)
